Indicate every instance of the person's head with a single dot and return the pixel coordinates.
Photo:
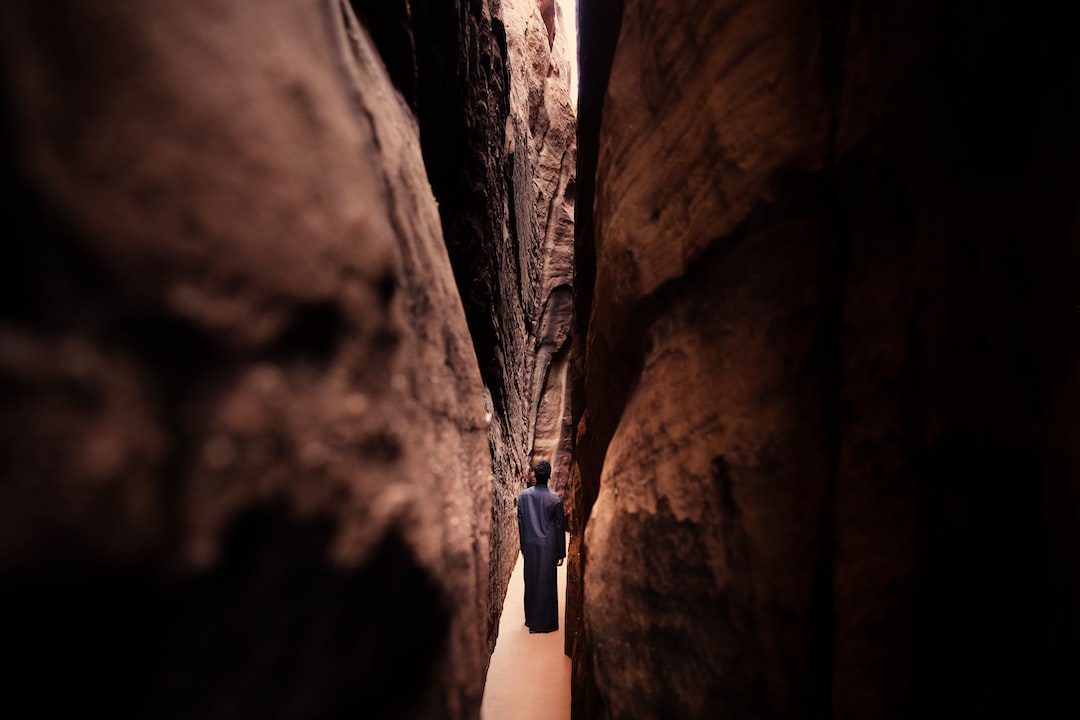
(542, 471)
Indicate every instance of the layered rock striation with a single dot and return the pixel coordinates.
(824, 392)
(543, 154)
(490, 87)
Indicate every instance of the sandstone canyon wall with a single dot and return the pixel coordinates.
(273, 285)
(825, 361)
(491, 94)
(544, 154)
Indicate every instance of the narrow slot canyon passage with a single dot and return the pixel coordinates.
(529, 674)
(294, 295)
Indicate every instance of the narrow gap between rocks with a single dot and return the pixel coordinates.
(529, 675)
(291, 301)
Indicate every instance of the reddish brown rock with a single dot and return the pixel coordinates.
(497, 128)
(543, 153)
(491, 96)
(823, 382)
(246, 466)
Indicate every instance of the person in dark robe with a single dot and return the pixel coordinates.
(541, 530)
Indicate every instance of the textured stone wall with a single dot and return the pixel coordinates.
(491, 91)
(543, 155)
(285, 307)
(245, 467)
(825, 381)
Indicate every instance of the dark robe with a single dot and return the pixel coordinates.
(541, 530)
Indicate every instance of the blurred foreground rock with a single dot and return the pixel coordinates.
(826, 385)
(245, 467)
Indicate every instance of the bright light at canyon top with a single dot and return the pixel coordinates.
(568, 11)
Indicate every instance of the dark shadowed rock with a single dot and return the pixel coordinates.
(246, 467)
(822, 377)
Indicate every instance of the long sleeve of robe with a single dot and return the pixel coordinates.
(542, 533)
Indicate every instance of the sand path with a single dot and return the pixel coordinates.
(529, 677)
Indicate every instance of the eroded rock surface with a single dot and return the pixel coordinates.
(491, 91)
(283, 325)
(543, 153)
(246, 467)
(825, 361)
